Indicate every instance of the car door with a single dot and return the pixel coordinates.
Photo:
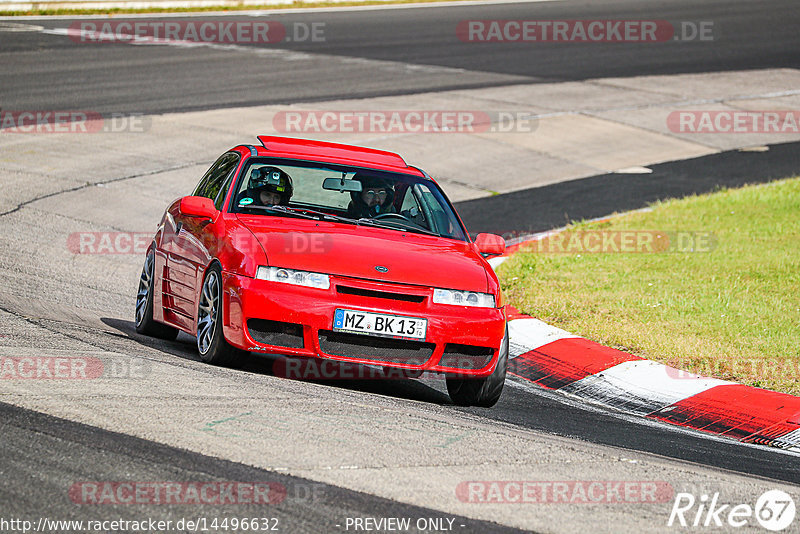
(186, 241)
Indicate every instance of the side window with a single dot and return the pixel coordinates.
(409, 201)
(198, 191)
(411, 209)
(440, 222)
(211, 184)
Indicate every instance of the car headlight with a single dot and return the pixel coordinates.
(463, 298)
(290, 276)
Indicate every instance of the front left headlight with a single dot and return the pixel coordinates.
(463, 298)
(291, 276)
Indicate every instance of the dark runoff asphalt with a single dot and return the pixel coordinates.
(553, 206)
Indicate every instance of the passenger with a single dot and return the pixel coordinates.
(376, 197)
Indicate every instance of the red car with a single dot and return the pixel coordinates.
(312, 249)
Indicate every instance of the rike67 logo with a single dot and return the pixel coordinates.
(774, 510)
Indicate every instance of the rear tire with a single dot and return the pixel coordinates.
(145, 324)
(486, 391)
(211, 343)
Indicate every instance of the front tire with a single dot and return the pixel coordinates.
(145, 324)
(486, 391)
(211, 343)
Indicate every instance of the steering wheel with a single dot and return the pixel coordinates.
(398, 215)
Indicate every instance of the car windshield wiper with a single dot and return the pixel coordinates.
(309, 211)
(300, 212)
(400, 227)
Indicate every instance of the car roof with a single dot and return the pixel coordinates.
(311, 150)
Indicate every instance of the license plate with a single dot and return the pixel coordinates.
(379, 324)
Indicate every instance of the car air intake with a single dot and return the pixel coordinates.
(466, 356)
(276, 333)
(375, 348)
(348, 290)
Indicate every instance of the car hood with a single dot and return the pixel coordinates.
(356, 251)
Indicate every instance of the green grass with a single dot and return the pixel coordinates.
(732, 312)
(292, 5)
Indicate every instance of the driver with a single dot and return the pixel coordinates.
(375, 197)
(264, 190)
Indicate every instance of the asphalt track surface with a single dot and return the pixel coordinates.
(50, 72)
(300, 505)
(522, 405)
(42, 71)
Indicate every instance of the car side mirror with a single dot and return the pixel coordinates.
(201, 207)
(490, 244)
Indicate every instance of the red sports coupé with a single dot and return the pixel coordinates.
(313, 249)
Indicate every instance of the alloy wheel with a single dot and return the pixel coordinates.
(207, 312)
(145, 282)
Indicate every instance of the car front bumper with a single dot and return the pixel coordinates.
(278, 318)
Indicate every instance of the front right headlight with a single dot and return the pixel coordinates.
(463, 298)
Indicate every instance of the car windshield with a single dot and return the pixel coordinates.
(349, 195)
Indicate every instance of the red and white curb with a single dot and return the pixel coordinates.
(557, 360)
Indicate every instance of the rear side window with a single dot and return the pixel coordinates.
(211, 186)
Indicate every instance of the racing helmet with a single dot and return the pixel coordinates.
(273, 180)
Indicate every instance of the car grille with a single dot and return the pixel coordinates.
(375, 348)
(466, 356)
(405, 297)
(276, 333)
